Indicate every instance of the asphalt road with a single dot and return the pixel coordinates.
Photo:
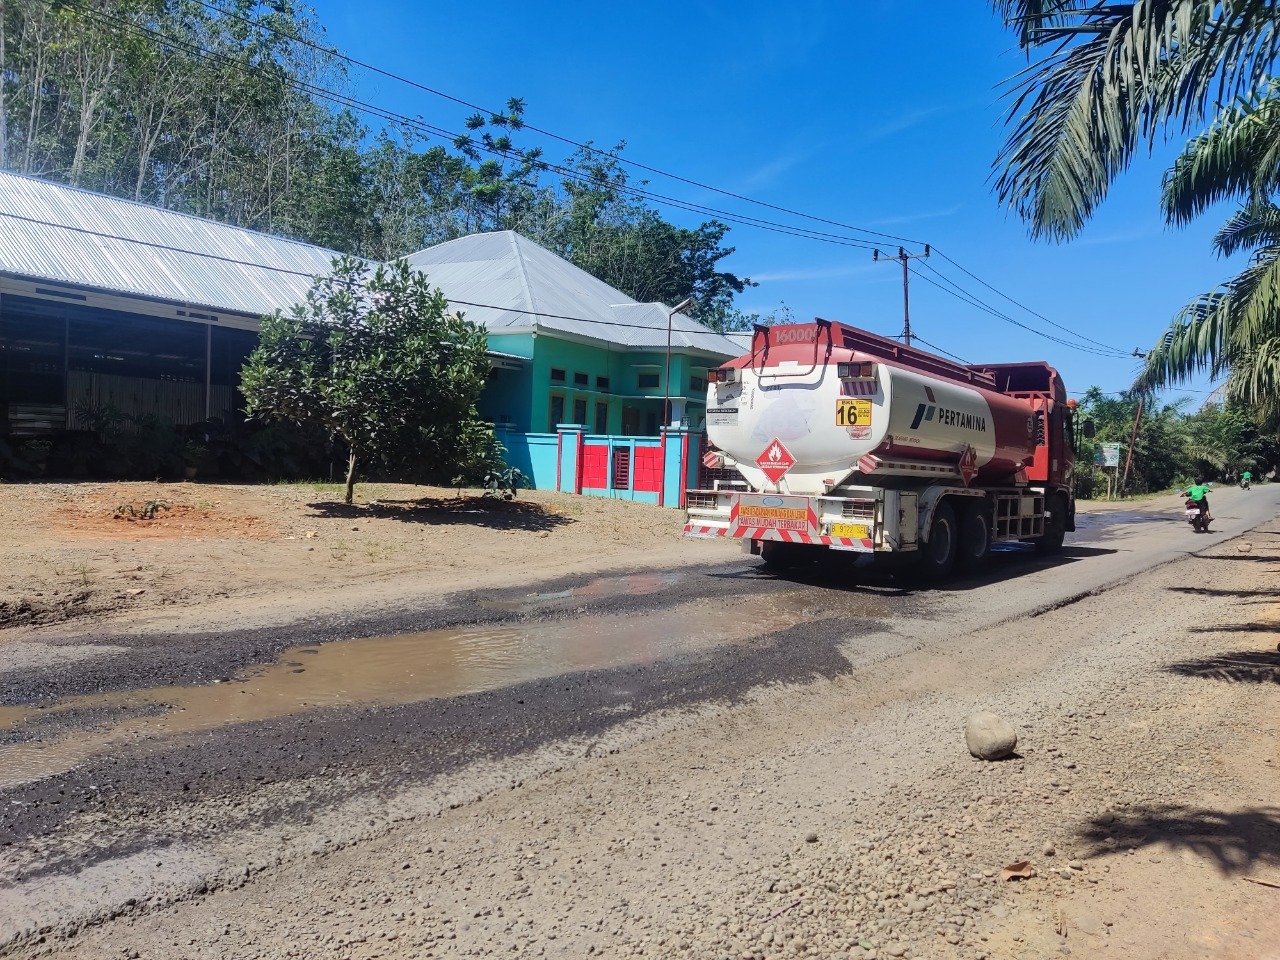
(110, 798)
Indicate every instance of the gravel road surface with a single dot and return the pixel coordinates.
(705, 761)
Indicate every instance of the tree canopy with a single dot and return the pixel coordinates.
(375, 358)
(1115, 77)
(239, 111)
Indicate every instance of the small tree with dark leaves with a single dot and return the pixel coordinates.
(377, 359)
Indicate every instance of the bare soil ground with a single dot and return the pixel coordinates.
(842, 818)
(252, 555)
(833, 817)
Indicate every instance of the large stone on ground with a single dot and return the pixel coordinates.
(989, 737)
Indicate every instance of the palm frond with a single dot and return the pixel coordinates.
(1116, 73)
(1235, 330)
(1235, 157)
(1257, 225)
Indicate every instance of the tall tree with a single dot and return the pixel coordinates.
(605, 228)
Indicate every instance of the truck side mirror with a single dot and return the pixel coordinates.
(1088, 429)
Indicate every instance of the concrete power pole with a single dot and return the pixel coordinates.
(904, 258)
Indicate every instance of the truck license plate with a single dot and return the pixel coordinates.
(856, 531)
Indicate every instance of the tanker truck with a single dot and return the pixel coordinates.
(839, 440)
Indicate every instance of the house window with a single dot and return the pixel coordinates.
(581, 379)
(557, 410)
(580, 410)
(602, 418)
(648, 381)
(557, 375)
(602, 383)
(697, 384)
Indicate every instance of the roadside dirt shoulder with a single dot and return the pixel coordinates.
(843, 817)
(162, 557)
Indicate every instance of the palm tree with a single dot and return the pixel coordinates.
(1234, 330)
(1116, 76)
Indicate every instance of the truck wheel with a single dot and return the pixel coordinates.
(975, 537)
(939, 554)
(1055, 528)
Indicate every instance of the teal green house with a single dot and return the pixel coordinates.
(570, 348)
(572, 355)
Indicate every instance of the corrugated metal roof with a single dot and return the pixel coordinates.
(55, 232)
(65, 234)
(517, 282)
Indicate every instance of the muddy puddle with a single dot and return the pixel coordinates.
(36, 743)
(633, 585)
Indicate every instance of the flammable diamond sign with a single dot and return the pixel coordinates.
(775, 461)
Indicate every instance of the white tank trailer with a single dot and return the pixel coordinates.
(845, 441)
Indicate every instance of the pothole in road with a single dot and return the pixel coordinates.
(36, 743)
(633, 585)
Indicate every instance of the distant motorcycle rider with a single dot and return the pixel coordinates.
(1246, 479)
(1199, 492)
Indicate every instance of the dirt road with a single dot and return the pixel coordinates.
(698, 760)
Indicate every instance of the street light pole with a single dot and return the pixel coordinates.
(683, 305)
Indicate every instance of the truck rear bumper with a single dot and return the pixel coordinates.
(854, 524)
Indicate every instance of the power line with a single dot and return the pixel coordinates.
(421, 126)
(547, 133)
(1094, 346)
(964, 297)
(945, 353)
(351, 102)
(1016, 303)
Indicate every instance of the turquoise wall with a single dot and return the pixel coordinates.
(629, 404)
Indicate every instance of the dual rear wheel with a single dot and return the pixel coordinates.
(957, 539)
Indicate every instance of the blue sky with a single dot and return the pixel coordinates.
(873, 115)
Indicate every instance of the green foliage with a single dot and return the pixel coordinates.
(375, 359)
(1235, 329)
(504, 482)
(1172, 445)
(1114, 76)
(1111, 78)
(192, 107)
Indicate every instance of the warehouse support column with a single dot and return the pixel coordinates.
(208, 364)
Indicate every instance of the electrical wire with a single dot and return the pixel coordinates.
(976, 300)
(391, 116)
(333, 52)
(934, 346)
(1016, 303)
(421, 126)
(986, 308)
(655, 170)
(311, 276)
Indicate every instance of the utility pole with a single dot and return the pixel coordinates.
(1133, 438)
(904, 258)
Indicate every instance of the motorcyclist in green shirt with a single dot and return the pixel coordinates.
(1246, 479)
(1199, 492)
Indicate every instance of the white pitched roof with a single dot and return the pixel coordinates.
(503, 280)
(54, 232)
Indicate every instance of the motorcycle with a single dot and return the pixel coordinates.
(1199, 520)
(1244, 483)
